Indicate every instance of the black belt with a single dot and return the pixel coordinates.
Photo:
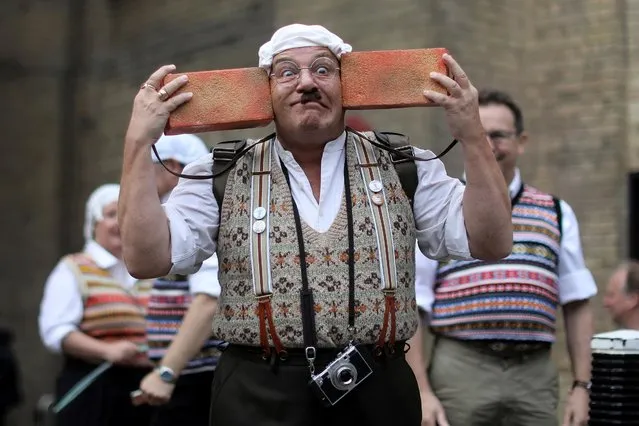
(508, 348)
(297, 356)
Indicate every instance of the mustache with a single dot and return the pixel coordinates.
(313, 96)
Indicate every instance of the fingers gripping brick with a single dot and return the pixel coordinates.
(241, 98)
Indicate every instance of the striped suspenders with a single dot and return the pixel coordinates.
(259, 245)
(369, 168)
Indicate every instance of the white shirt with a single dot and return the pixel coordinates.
(194, 214)
(575, 280)
(205, 280)
(62, 307)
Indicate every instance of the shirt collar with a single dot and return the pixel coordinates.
(513, 187)
(100, 255)
(515, 184)
(334, 145)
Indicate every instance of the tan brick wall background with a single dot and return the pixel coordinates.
(69, 71)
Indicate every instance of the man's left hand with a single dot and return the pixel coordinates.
(576, 413)
(461, 104)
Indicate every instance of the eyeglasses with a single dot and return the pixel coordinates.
(287, 72)
(500, 135)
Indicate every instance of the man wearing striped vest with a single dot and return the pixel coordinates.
(183, 387)
(494, 322)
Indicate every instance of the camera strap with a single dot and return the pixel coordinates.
(306, 294)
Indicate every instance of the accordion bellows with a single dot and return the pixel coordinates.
(614, 398)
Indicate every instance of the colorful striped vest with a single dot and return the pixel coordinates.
(169, 301)
(513, 299)
(111, 312)
(327, 262)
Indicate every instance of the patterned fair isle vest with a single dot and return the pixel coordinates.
(327, 260)
(513, 299)
(170, 299)
(111, 312)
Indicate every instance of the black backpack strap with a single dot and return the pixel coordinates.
(223, 154)
(405, 167)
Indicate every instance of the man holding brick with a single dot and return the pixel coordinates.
(315, 240)
(494, 322)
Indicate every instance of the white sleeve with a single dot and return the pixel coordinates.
(194, 218)
(205, 280)
(575, 279)
(439, 218)
(425, 276)
(61, 307)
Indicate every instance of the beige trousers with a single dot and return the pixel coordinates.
(479, 389)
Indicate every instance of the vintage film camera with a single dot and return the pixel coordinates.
(341, 376)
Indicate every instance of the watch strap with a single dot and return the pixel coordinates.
(582, 384)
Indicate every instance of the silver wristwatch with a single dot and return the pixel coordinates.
(166, 374)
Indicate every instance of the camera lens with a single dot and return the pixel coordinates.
(345, 376)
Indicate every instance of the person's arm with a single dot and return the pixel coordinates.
(425, 275)
(433, 413)
(196, 326)
(146, 240)
(576, 287)
(85, 347)
(579, 323)
(195, 329)
(578, 319)
(486, 202)
(416, 359)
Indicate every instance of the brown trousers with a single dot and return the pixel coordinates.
(480, 389)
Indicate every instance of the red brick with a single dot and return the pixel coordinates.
(240, 98)
(223, 100)
(390, 78)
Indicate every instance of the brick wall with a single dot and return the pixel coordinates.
(70, 71)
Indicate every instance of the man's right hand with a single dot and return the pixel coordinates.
(155, 391)
(153, 105)
(432, 410)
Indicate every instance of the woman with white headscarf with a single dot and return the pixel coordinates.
(93, 311)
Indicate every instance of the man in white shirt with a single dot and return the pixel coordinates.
(336, 263)
(494, 322)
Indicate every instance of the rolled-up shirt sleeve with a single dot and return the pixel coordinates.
(206, 280)
(575, 279)
(439, 217)
(61, 307)
(193, 216)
